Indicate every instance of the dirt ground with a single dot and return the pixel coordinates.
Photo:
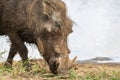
(83, 71)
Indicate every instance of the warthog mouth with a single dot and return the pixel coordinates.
(61, 66)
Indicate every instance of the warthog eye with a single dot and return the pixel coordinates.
(57, 27)
(58, 24)
(50, 13)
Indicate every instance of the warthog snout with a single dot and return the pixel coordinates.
(54, 64)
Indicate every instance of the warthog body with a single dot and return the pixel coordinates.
(42, 22)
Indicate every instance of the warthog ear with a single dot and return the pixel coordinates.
(48, 7)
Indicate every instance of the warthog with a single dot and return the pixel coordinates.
(42, 22)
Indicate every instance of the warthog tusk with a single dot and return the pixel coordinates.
(40, 45)
(74, 59)
(72, 62)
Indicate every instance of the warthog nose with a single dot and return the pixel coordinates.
(56, 64)
(53, 67)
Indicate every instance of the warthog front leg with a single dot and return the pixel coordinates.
(18, 46)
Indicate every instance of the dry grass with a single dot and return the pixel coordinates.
(40, 71)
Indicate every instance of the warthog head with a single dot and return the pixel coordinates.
(53, 38)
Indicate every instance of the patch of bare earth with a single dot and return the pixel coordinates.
(40, 71)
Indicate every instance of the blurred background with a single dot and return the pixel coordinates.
(96, 31)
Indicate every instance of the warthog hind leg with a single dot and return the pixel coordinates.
(11, 55)
(18, 46)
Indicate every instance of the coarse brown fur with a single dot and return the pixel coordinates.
(42, 22)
